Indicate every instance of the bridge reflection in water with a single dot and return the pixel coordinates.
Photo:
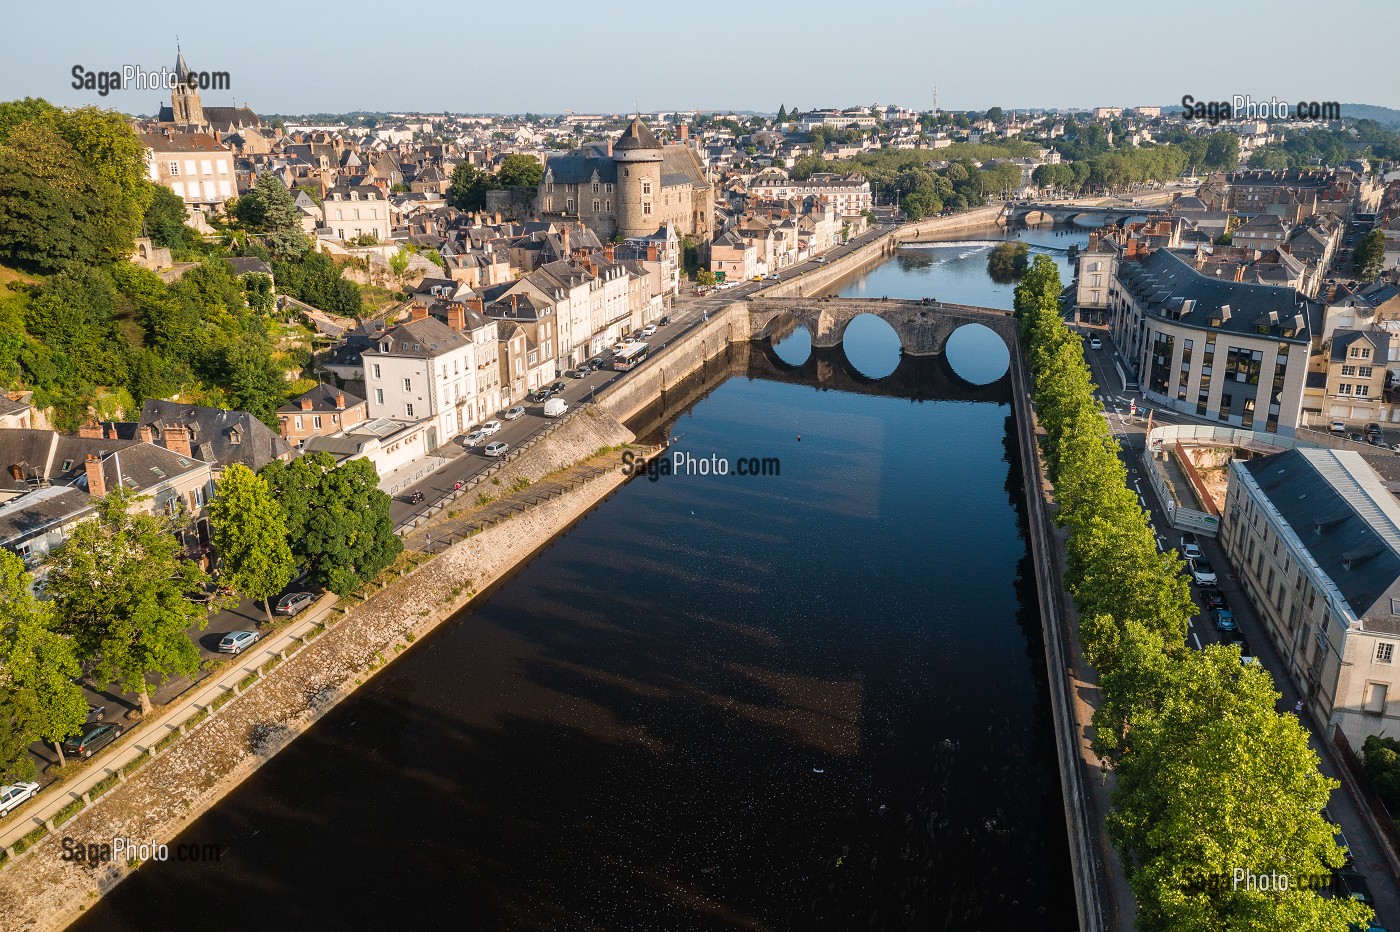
(917, 378)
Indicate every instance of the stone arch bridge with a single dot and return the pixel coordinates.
(923, 328)
(1030, 213)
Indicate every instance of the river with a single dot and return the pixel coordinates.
(810, 700)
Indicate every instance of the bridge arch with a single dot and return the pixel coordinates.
(923, 327)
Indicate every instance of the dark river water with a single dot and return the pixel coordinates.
(811, 700)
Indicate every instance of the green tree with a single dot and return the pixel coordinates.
(337, 519)
(1370, 255)
(248, 528)
(269, 211)
(520, 170)
(996, 114)
(120, 586)
(37, 662)
(1008, 261)
(469, 186)
(782, 113)
(164, 223)
(398, 263)
(705, 278)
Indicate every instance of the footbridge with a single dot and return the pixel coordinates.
(923, 327)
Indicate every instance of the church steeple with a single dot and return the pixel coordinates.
(184, 100)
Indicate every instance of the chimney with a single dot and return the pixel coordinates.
(97, 483)
(564, 241)
(457, 316)
(477, 304)
(610, 252)
(340, 401)
(91, 430)
(307, 404)
(17, 472)
(147, 435)
(685, 131)
(610, 148)
(177, 439)
(418, 312)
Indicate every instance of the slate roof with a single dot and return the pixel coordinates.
(425, 339)
(322, 398)
(1338, 506)
(1168, 286)
(181, 142)
(1342, 341)
(637, 136)
(579, 169)
(215, 433)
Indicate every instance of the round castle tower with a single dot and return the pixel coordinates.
(638, 158)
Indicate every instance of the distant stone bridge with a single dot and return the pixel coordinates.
(1068, 213)
(923, 329)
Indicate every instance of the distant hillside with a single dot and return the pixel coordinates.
(1386, 116)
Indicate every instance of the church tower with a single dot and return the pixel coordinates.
(637, 155)
(184, 100)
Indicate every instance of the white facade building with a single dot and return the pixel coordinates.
(423, 370)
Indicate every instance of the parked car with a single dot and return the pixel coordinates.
(496, 448)
(236, 642)
(14, 794)
(1236, 639)
(293, 602)
(93, 740)
(664, 319)
(1337, 836)
(96, 713)
(821, 260)
(576, 373)
(490, 427)
(1095, 343)
(1215, 600)
(648, 330)
(559, 386)
(775, 277)
(555, 407)
(542, 394)
(513, 412)
(1350, 883)
(1357, 437)
(473, 439)
(1373, 428)
(1202, 571)
(1190, 549)
(1339, 427)
(1225, 620)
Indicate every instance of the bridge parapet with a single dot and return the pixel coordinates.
(923, 328)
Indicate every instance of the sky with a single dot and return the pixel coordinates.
(614, 56)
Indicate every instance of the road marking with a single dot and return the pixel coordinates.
(1196, 639)
(1143, 501)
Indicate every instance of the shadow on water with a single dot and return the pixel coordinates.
(792, 703)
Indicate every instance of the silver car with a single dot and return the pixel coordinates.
(513, 413)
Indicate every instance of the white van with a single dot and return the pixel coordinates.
(555, 407)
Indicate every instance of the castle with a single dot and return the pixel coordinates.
(629, 188)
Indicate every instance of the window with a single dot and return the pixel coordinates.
(1375, 698)
(646, 186)
(408, 385)
(379, 396)
(568, 205)
(1344, 388)
(174, 168)
(549, 202)
(316, 421)
(646, 208)
(1385, 652)
(376, 370)
(1348, 370)
(1362, 391)
(206, 166)
(595, 187)
(597, 205)
(1364, 372)
(408, 410)
(607, 188)
(298, 421)
(607, 203)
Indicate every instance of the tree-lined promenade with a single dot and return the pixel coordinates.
(1210, 778)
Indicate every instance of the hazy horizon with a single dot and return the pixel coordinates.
(485, 59)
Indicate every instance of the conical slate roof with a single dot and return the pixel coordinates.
(636, 136)
(182, 71)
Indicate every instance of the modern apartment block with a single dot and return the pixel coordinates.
(1315, 537)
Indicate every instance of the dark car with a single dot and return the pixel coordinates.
(1215, 600)
(96, 713)
(559, 386)
(293, 602)
(93, 740)
(664, 319)
(576, 373)
(1350, 883)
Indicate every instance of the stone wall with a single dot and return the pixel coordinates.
(40, 891)
(671, 364)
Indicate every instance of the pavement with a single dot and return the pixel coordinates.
(1344, 808)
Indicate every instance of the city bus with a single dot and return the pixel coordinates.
(629, 355)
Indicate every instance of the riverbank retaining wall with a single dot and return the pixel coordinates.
(40, 891)
(671, 364)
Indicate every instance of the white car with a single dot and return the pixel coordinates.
(11, 796)
(1095, 343)
(475, 438)
(648, 330)
(513, 413)
(490, 427)
(498, 448)
(1202, 571)
(1190, 549)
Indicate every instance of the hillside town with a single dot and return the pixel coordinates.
(368, 315)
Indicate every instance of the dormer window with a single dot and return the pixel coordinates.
(235, 436)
